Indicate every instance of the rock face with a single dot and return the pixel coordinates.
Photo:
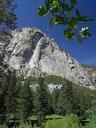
(32, 53)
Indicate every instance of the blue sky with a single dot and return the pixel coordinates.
(28, 17)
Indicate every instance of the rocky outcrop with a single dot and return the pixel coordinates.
(92, 70)
(31, 53)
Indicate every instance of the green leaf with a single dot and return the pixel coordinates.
(73, 23)
(57, 20)
(65, 7)
(85, 32)
(47, 4)
(82, 18)
(85, 19)
(41, 11)
(53, 10)
(55, 2)
(73, 2)
(60, 8)
(69, 34)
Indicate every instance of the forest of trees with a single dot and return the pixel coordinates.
(19, 101)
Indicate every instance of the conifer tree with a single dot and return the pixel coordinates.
(82, 101)
(7, 15)
(41, 100)
(65, 100)
(43, 95)
(7, 23)
(3, 88)
(11, 94)
(2, 108)
(25, 102)
(55, 95)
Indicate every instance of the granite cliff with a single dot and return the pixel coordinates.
(31, 53)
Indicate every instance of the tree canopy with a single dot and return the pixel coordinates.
(7, 15)
(7, 18)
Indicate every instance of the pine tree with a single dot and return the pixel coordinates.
(7, 15)
(55, 95)
(2, 108)
(7, 23)
(8, 95)
(3, 89)
(42, 97)
(65, 100)
(82, 101)
(25, 102)
(41, 100)
(11, 94)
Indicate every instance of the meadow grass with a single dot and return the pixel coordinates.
(65, 122)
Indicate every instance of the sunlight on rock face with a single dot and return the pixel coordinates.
(31, 52)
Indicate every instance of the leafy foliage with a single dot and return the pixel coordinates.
(65, 13)
(7, 16)
(7, 19)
